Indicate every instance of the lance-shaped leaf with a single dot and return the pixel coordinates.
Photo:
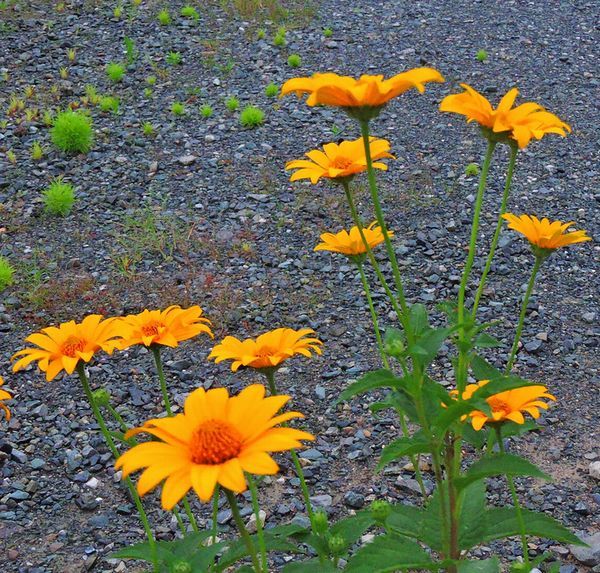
(406, 520)
(471, 519)
(313, 565)
(401, 447)
(378, 379)
(479, 566)
(425, 349)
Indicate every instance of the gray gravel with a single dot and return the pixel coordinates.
(225, 229)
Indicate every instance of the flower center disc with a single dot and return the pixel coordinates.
(214, 442)
(72, 345)
(498, 405)
(341, 163)
(151, 329)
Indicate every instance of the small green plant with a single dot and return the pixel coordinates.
(272, 90)
(294, 60)
(173, 58)
(11, 156)
(37, 151)
(117, 12)
(148, 92)
(252, 116)
(92, 95)
(164, 18)
(58, 199)
(148, 129)
(336, 130)
(206, 111)
(115, 71)
(471, 170)
(327, 32)
(279, 39)
(177, 108)
(71, 54)
(64, 73)
(190, 12)
(15, 105)
(260, 34)
(109, 103)
(6, 273)
(151, 80)
(481, 55)
(72, 132)
(232, 103)
(48, 117)
(29, 92)
(130, 50)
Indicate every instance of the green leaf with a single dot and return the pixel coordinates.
(142, 551)
(388, 553)
(484, 340)
(503, 522)
(418, 318)
(471, 520)
(499, 464)
(426, 348)
(351, 528)
(405, 520)
(431, 524)
(479, 566)
(370, 381)
(403, 447)
(313, 565)
(476, 438)
(483, 370)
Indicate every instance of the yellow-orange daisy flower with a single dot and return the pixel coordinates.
(269, 350)
(522, 123)
(366, 91)
(4, 395)
(351, 243)
(215, 440)
(166, 327)
(509, 405)
(339, 161)
(543, 234)
(61, 348)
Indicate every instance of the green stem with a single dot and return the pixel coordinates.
(111, 446)
(461, 378)
(189, 513)
(215, 511)
(364, 128)
(515, 498)
(513, 353)
(161, 377)
(235, 511)
(488, 263)
(367, 290)
(180, 522)
(118, 418)
(259, 526)
(270, 375)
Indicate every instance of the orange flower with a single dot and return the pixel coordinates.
(341, 161)
(351, 244)
(61, 348)
(4, 395)
(367, 92)
(521, 123)
(167, 327)
(544, 235)
(269, 350)
(215, 440)
(509, 405)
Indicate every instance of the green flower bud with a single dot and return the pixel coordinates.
(337, 544)
(320, 522)
(101, 396)
(182, 567)
(380, 510)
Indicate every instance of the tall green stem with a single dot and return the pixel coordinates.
(513, 353)
(235, 511)
(270, 375)
(259, 526)
(461, 377)
(161, 377)
(364, 128)
(488, 263)
(515, 498)
(215, 512)
(113, 449)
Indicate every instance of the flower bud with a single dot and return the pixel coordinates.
(182, 567)
(380, 510)
(101, 396)
(337, 544)
(320, 522)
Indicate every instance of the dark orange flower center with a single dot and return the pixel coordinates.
(72, 345)
(215, 442)
(151, 328)
(266, 352)
(341, 162)
(499, 405)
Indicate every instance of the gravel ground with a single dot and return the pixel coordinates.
(204, 213)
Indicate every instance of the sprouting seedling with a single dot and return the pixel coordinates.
(272, 90)
(279, 39)
(232, 103)
(174, 58)
(130, 50)
(115, 71)
(482, 55)
(48, 117)
(252, 116)
(294, 60)
(260, 33)
(109, 104)
(327, 32)
(15, 105)
(148, 129)
(71, 54)
(64, 73)
(11, 156)
(37, 151)
(472, 169)
(72, 132)
(190, 12)
(148, 92)
(29, 92)
(117, 12)
(6, 273)
(164, 18)
(92, 94)
(151, 80)
(58, 198)
(136, 3)
(206, 111)
(177, 108)
(335, 130)
(31, 114)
